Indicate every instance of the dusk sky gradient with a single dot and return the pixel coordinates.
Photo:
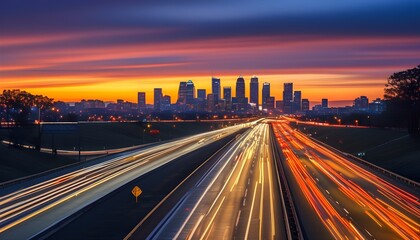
(72, 50)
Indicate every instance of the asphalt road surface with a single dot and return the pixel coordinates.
(29, 211)
(337, 198)
(238, 198)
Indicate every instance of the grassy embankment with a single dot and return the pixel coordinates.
(388, 148)
(17, 162)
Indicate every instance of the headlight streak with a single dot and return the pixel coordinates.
(376, 208)
(25, 204)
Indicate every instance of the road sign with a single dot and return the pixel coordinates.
(136, 192)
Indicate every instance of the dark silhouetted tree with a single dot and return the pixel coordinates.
(403, 95)
(18, 104)
(18, 107)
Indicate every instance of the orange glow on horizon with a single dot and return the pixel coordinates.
(313, 86)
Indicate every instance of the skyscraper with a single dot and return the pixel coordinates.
(215, 87)
(201, 100)
(190, 92)
(324, 103)
(288, 98)
(253, 91)
(182, 93)
(201, 93)
(270, 103)
(141, 100)
(227, 95)
(211, 104)
(265, 94)
(240, 99)
(297, 104)
(157, 99)
(166, 102)
(240, 88)
(305, 104)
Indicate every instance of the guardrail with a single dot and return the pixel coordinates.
(292, 220)
(369, 164)
(59, 169)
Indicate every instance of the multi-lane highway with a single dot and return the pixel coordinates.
(338, 198)
(238, 193)
(26, 212)
(238, 198)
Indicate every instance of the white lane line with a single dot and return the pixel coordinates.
(250, 213)
(237, 218)
(195, 227)
(368, 232)
(212, 218)
(346, 211)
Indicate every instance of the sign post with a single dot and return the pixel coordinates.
(136, 192)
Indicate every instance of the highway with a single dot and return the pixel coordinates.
(337, 198)
(238, 198)
(26, 212)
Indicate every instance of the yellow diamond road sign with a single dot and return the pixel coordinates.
(136, 192)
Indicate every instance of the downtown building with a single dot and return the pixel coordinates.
(265, 94)
(288, 98)
(157, 99)
(253, 93)
(297, 101)
(215, 87)
(227, 95)
(141, 100)
(240, 102)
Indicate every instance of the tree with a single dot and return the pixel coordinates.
(404, 86)
(18, 104)
(403, 94)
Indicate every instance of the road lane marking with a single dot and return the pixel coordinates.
(195, 227)
(237, 218)
(250, 212)
(212, 218)
(346, 211)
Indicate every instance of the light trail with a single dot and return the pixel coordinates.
(26, 204)
(393, 207)
(239, 190)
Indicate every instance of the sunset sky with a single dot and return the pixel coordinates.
(107, 49)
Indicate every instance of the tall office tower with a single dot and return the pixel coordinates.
(201, 103)
(288, 97)
(182, 93)
(297, 101)
(270, 103)
(141, 100)
(240, 88)
(279, 105)
(305, 104)
(265, 94)
(215, 87)
(211, 102)
(157, 99)
(241, 101)
(324, 103)
(190, 92)
(253, 91)
(227, 95)
(166, 102)
(201, 93)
